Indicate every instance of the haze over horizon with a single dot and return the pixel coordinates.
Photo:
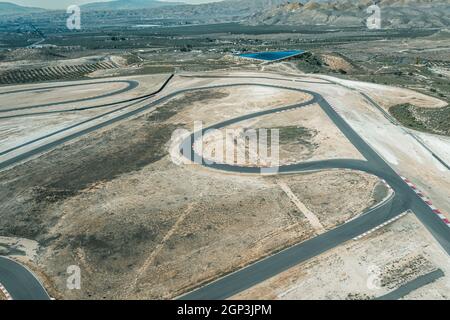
(62, 4)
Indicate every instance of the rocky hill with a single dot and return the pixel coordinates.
(338, 13)
(394, 13)
(7, 8)
(236, 7)
(127, 5)
(214, 12)
(222, 11)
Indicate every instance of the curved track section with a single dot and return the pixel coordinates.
(46, 147)
(28, 288)
(131, 84)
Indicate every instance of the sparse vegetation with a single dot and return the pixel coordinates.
(99, 158)
(310, 63)
(172, 107)
(435, 120)
(295, 134)
(63, 72)
(399, 272)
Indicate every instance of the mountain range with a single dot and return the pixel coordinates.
(247, 6)
(241, 5)
(127, 5)
(7, 8)
(394, 13)
(340, 13)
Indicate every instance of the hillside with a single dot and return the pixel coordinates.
(215, 12)
(227, 10)
(395, 13)
(7, 8)
(127, 5)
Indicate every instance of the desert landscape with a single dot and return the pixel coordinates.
(225, 151)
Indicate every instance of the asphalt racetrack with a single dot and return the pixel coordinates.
(19, 281)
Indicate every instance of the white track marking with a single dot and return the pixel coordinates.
(5, 292)
(380, 226)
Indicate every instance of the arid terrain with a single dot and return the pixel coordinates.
(131, 215)
(365, 269)
(140, 226)
(101, 167)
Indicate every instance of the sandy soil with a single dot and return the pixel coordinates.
(442, 71)
(147, 84)
(364, 269)
(16, 131)
(371, 192)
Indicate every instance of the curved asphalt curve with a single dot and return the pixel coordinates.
(264, 269)
(245, 278)
(28, 288)
(134, 101)
(132, 84)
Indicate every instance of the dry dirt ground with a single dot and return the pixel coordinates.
(33, 58)
(440, 144)
(167, 229)
(331, 209)
(236, 101)
(388, 96)
(140, 226)
(365, 269)
(337, 63)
